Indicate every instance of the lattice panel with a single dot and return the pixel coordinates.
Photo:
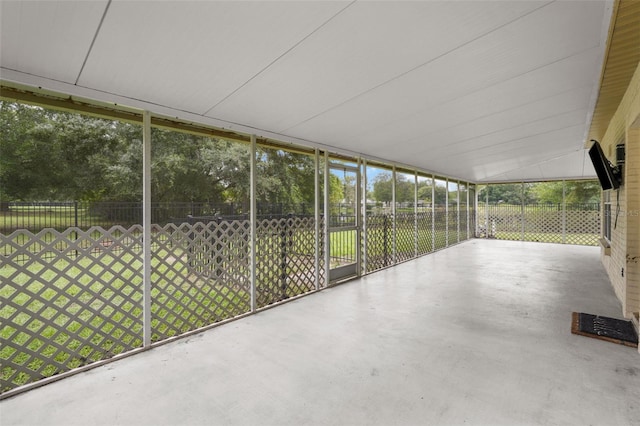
(542, 224)
(472, 212)
(200, 275)
(405, 237)
(463, 222)
(379, 241)
(68, 299)
(440, 220)
(425, 234)
(285, 265)
(452, 224)
(323, 282)
(583, 227)
(472, 222)
(505, 222)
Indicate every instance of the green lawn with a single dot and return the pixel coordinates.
(72, 315)
(550, 237)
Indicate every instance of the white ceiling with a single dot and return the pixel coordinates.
(479, 90)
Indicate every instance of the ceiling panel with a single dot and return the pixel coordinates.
(573, 165)
(468, 135)
(367, 45)
(504, 137)
(423, 129)
(496, 160)
(48, 38)
(548, 35)
(191, 55)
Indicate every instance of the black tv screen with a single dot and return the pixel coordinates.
(604, 169)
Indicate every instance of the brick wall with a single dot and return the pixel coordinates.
(625, 246)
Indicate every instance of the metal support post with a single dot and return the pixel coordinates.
(486, 211)
(253, 221)
(446, 213)
(393, 215)
(364, 217)
(564, 212)
(146, 227)
(327, 219)
(316, 197)
(358, 213)
(522, 212)
(433, 213)
(415, 213)
(458, 210)
(467, 213)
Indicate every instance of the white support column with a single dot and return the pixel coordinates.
(564, 212)
(522, 212)
(364, 217)
(358, 221)
(146, 227)
(393, 215)
(433, 213)
(446, 212)
(458, 210)
(327, 209)
(253, 222)
(486, 212)
(316, 198)
(415, 213)
(468, 212)
(475, 210)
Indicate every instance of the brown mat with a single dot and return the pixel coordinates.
(603, 328)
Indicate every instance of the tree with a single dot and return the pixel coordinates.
(53, 155)
(575, 192)
(48, 155)
(382, 185)
(508, 193)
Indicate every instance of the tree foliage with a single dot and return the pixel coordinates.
(587, 191)
(54, 155)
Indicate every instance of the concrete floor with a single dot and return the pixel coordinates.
(478, 334)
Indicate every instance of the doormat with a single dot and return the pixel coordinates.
(604, 328)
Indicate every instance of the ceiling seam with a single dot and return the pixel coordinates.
(500, 112)
(422, 65)
(448, 101)
(515, 140)
(95, 36)
(280, 57)
(538, 165)
(462, 141)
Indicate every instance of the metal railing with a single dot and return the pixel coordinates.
(60, 215)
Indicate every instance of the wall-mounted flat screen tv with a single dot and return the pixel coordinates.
(608, 175)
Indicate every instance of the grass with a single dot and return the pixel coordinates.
(550, 237)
